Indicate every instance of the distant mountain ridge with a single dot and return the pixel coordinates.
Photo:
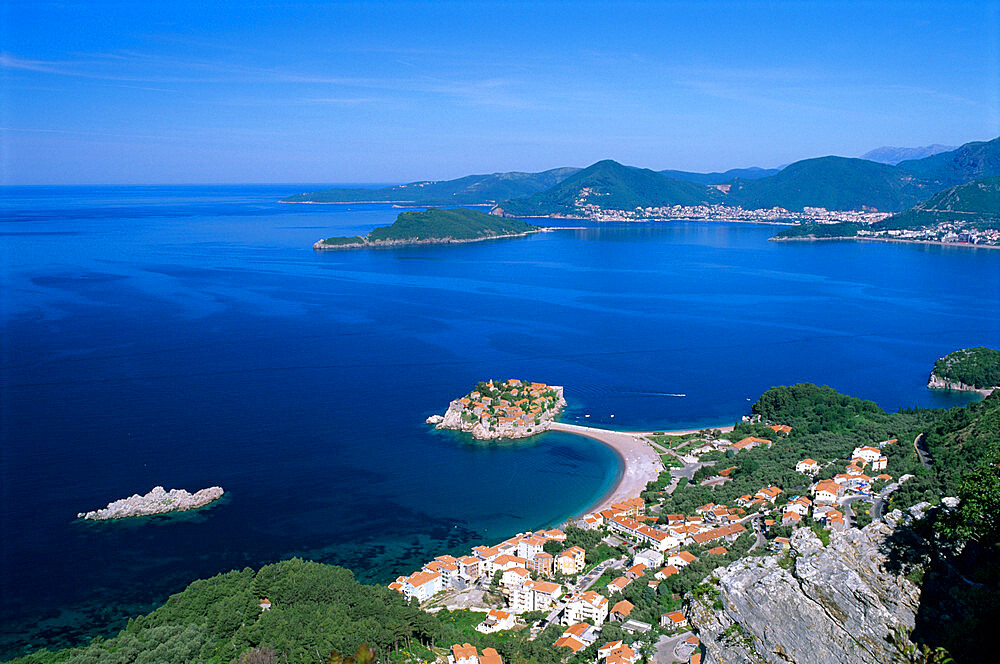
(971, 161)
(893, 155)
(833, 183)
(751, 173)
(468, 190)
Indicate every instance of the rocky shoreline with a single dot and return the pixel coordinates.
(935, 382)
(157, 501)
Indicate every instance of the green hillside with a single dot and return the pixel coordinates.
(971, 161)
(611, 186)
(435, 224)
(834, 183)
(316, 610)
(976, 203)
(468, 190)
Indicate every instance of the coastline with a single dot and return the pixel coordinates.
(395, 204)
(641, 462)
(883, 239)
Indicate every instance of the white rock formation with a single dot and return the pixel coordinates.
(157, 501)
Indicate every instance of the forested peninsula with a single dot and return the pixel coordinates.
(433, 226)
(969, 369)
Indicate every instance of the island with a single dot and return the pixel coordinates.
(434, 226)
(503, 409)
(157, 501)
(969, 370)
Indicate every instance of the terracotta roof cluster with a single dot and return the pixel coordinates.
(716, 533)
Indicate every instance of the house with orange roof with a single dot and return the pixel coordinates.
(571, 561)
(468, 567)
(827, 491)
(265, 604)
(465, 653)
(869, 454)
(658, 539)
(790, 519)
(592, 521)
(421, 585)
(496, 621)
(717, 551)
(571, 638)
(618, 585)
(807, 467)
(728, 532)
(504, 561)
(542, 563)
(616, 652)
(666, 572)
(534, 596)
(675, 519)
(586, 606)
(490, 656)
(780, 428)
(635, 571)
(768, 493)
(749, 443)
(681, 559)
(879, 463)
(515, 576)
(621, 610)
(674, 620)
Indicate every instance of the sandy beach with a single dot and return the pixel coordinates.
(641, 462)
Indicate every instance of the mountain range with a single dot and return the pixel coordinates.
(892, 156)
(834, 183)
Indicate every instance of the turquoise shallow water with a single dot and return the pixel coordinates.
(188, 336)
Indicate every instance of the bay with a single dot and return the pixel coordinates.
(188, 336)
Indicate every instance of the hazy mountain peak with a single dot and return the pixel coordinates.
(893, 155)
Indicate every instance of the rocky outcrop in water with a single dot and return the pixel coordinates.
(835, 604)
(157, 501)
(935, 382)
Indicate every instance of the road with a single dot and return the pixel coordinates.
(582, 584)
(878, 511)
(846, 502)
(918, 446)
(755, 521)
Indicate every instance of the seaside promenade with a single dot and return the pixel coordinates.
(642, 462)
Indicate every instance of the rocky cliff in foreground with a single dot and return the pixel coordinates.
(835, 604)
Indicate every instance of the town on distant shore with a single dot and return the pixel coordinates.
(503, 409)
(950, 197)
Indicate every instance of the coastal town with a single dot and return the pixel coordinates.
(503, 409)
(948, 232)
(719, 212)
(612, 586)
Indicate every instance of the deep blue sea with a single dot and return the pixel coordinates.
(189, 336)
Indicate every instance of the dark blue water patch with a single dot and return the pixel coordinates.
(205, 343)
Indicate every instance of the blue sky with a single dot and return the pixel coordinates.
(151, 92)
